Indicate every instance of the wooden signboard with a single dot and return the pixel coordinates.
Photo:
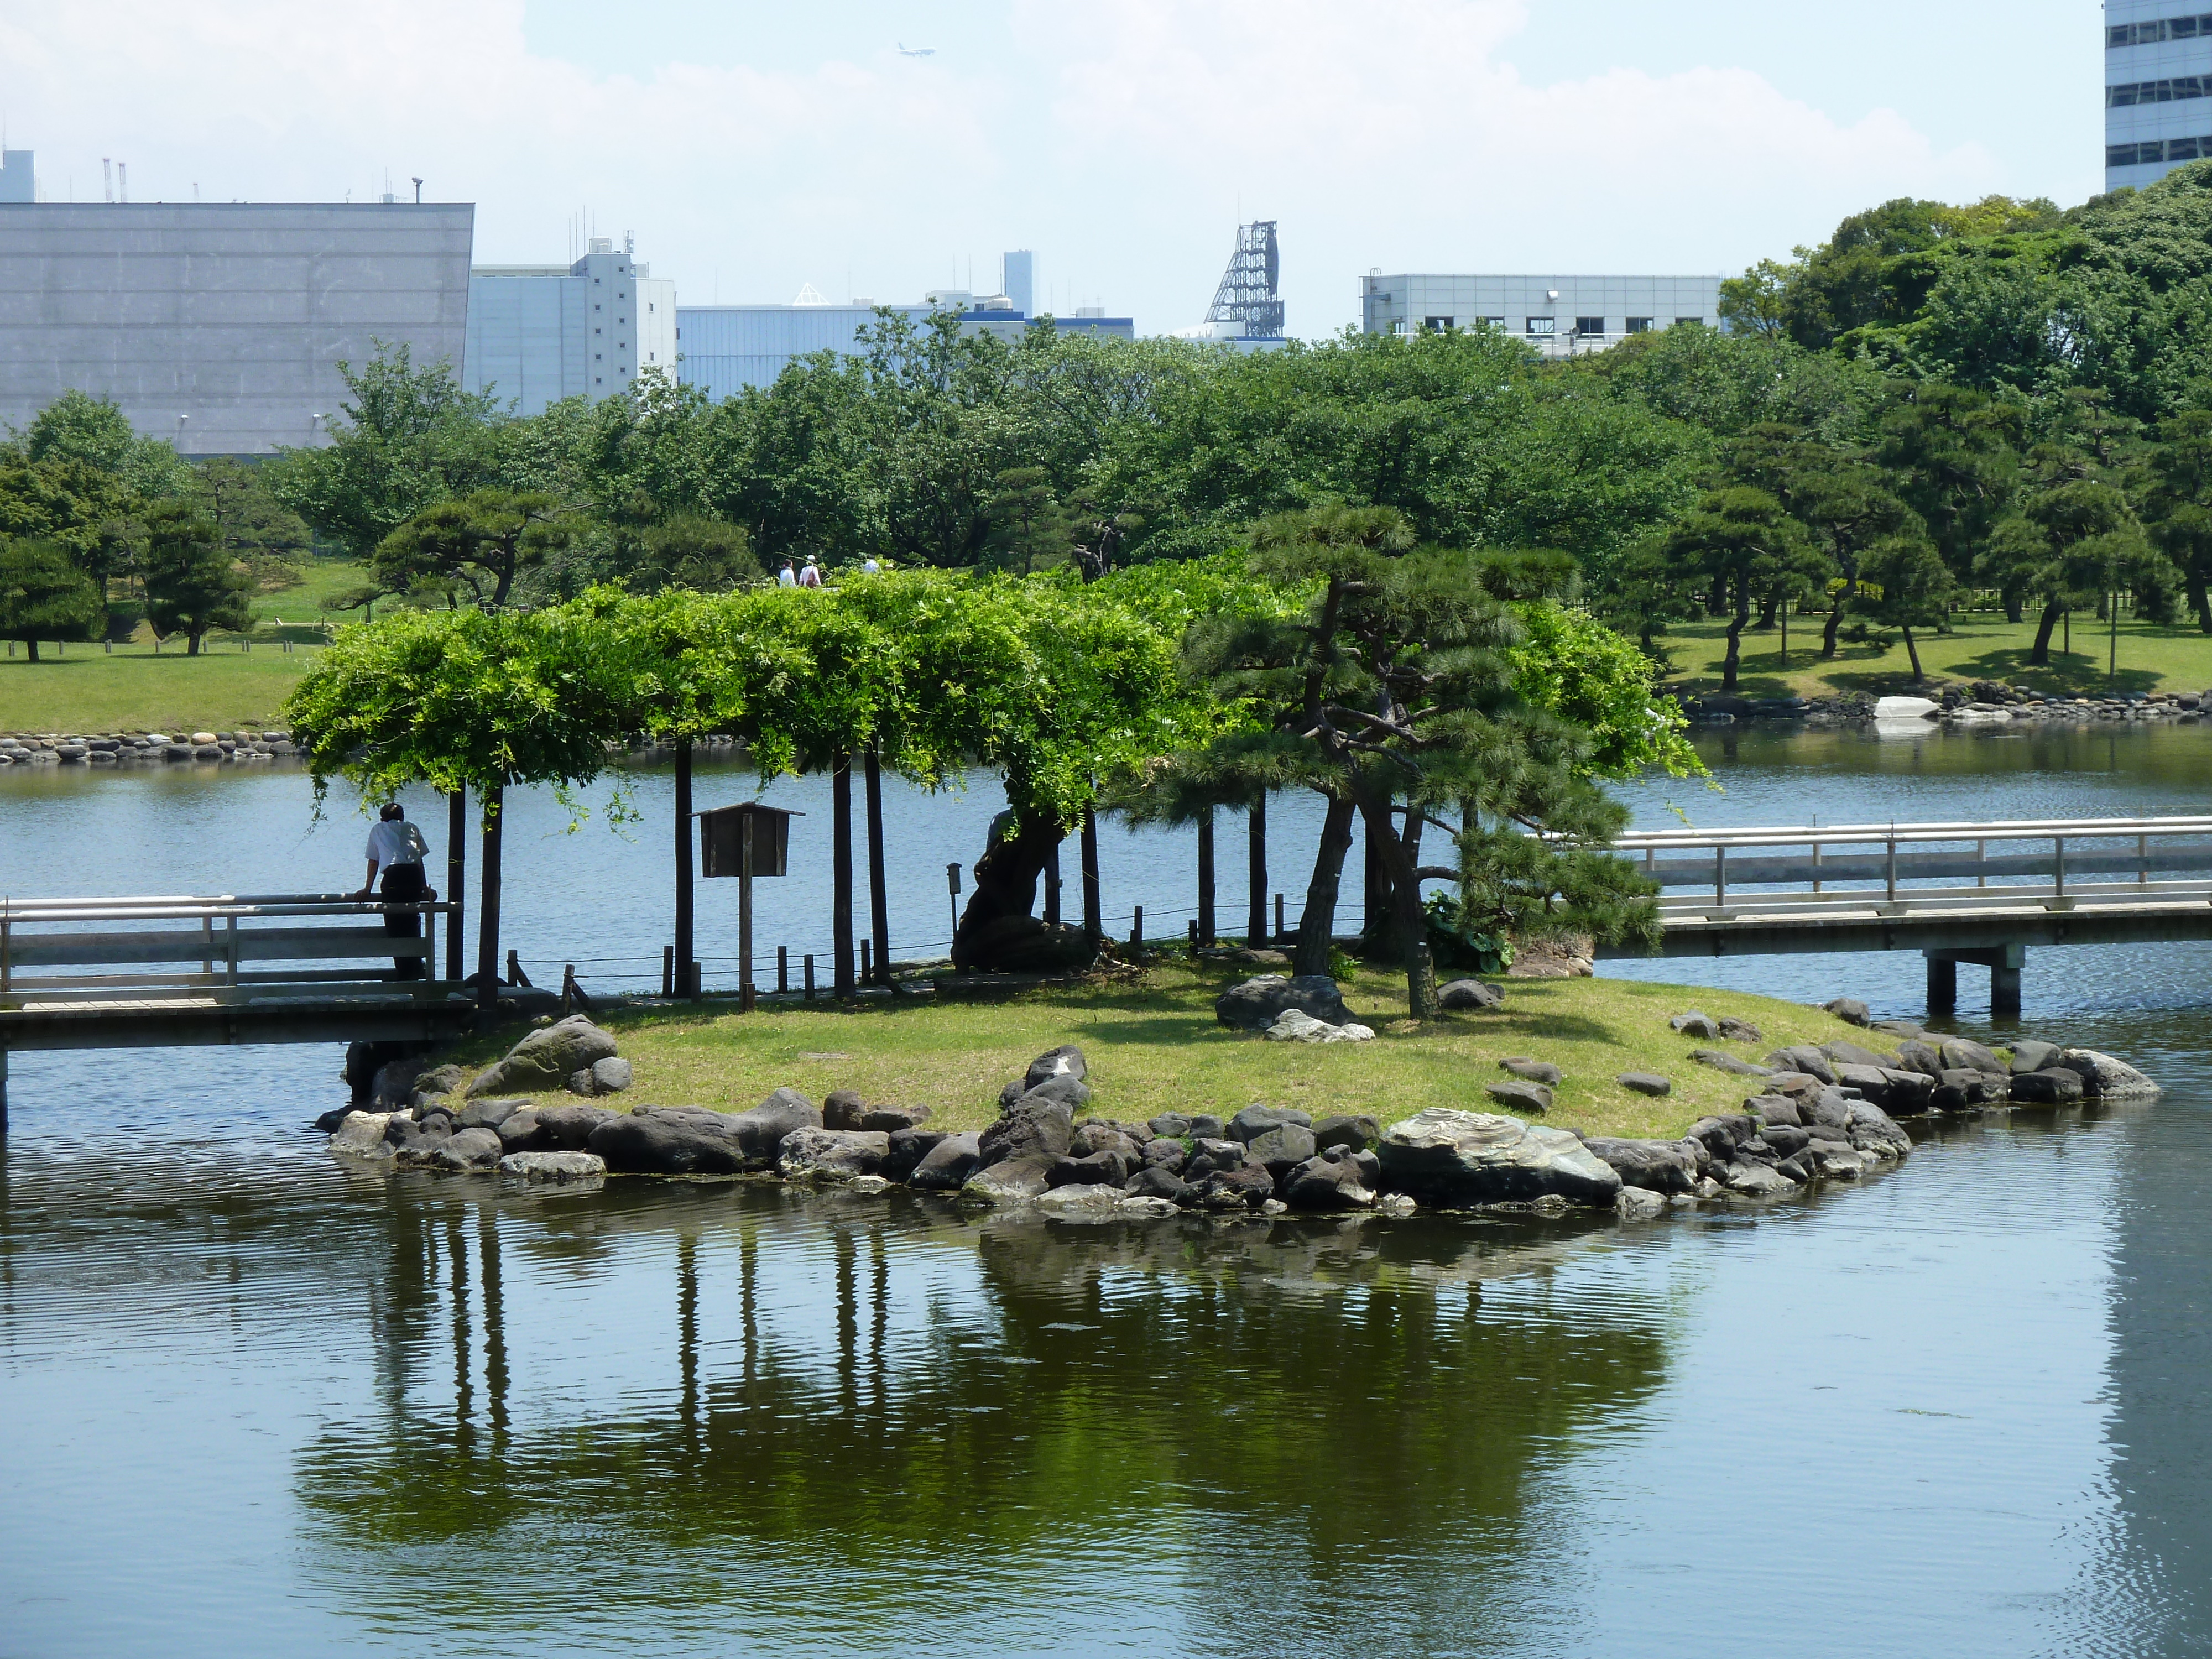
(745, 841)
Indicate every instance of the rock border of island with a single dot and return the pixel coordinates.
(1816, 1115)
(1938, 702)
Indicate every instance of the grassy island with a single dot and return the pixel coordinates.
(1153, 1045)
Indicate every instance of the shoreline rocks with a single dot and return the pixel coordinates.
(1819, 1112)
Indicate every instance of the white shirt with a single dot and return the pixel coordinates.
(870, 568)
(395, 842)
(787, 577)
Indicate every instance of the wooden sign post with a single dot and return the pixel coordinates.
(744, 840)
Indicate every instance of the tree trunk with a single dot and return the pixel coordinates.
(1317, 922)
(1767, 607)
(880, 922)
(1734, 658)
(1094, 912)
(1408, 929)
(457, 857)
(840, 870)
(34, 645)
(1717, 599)
(1052, 882)
(1255, 864)
(1828, 633)
(1205, 931)
(1913, 652)
(685, 891)
(494, 800)
(2015, 610)
(191, 645)
(2039, 656)
(1374, 902)
(2199, 601)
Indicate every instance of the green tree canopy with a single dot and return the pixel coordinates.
(44, 595)
(193, 584)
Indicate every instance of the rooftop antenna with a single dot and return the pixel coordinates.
(106, 179)
(418, 192)
(123, 181)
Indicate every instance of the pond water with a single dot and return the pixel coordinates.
(257, 1406)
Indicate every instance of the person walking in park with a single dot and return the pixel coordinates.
(397, 848)
(811, 576)
(787, 577)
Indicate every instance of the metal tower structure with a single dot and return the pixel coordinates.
(1247, 293)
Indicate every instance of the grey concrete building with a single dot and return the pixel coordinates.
(2158, 89)
(725, 349)
(1560, 316)
(221, 325)
(540, 333)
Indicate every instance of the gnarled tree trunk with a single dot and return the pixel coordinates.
(1317, 922)
(997, 932)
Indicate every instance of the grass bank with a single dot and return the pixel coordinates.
(1155, 1047)
(1982, 645)
(88, 689)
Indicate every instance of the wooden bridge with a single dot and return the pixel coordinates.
(1981, 893)
(181, 971)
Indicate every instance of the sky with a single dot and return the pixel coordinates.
(751, 148)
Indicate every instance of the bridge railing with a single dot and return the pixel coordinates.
(1891, 868)
(228, 948)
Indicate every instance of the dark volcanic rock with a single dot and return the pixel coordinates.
(1256, 1121)
(1067, 1060)
(686, 1140)
(1532, 1071)
(473, 1148)
(1740, 1030)
(2030, 1056)
(1323, 1183)
(842, 1109)
(1727, 1062)
(1157, 1181)
(1521, 1097)
(568, 1128)
(1774, 1108)
(907, 1148)
(761, 1130)
(890, 1119)
(1035, 1127)
(1849, 1010)
(2053, 1086)
(1353, 1134)
(1922, 1057)
(1278, 1150)
(518, 1132)
(1803, 1058)
(1851, 1054)
(1662, 1166)
(1645, 1083)
(1164, 1154)
(1462, 995)
(1254, 1004)
(1100, 1168)
(1695, 1025)
(1960, 1054)
(1459, 1159)
(946, 1167)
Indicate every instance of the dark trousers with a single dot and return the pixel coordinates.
(403, 884)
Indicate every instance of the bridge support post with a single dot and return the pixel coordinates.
(1943, 984)
(2004, 962)
(3, 1094)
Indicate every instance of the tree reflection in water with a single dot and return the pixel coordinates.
(1212, 1433)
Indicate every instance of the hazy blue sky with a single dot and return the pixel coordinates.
(753, 148)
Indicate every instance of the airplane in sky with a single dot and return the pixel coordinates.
(905, 51)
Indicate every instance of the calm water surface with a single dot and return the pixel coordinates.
(256, 1406)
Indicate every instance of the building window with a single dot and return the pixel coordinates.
(2165, 28)
(1638, 325)
(1436, 324)
(2131, 92)
(1689, 322)
(1543, 325)
(1399, 325)
(1590, 325)
(1493, 322)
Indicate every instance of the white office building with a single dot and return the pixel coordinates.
(2158, 90)
(1559, 316)
(539, 333)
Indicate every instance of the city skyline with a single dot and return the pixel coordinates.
(752, 152)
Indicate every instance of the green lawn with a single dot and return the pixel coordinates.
(309, 603)
(1982, 645)
(87, 689)
(1156, 1047)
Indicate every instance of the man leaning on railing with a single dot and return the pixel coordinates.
(397, 848)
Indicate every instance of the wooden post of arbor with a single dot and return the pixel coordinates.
(1204, 936)
(1052, 885)
(1255, 865)
(457, 854)
(687, 981)
(745, 914)
(493, 801)
(841, 874)
(879, 921)
(1094, 920)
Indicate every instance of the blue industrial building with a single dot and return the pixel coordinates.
(539, 333)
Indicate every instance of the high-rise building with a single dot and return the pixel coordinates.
(539, 333)
(1017, 278)
(1559, 316)
(2158, 90)
(221, 325)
